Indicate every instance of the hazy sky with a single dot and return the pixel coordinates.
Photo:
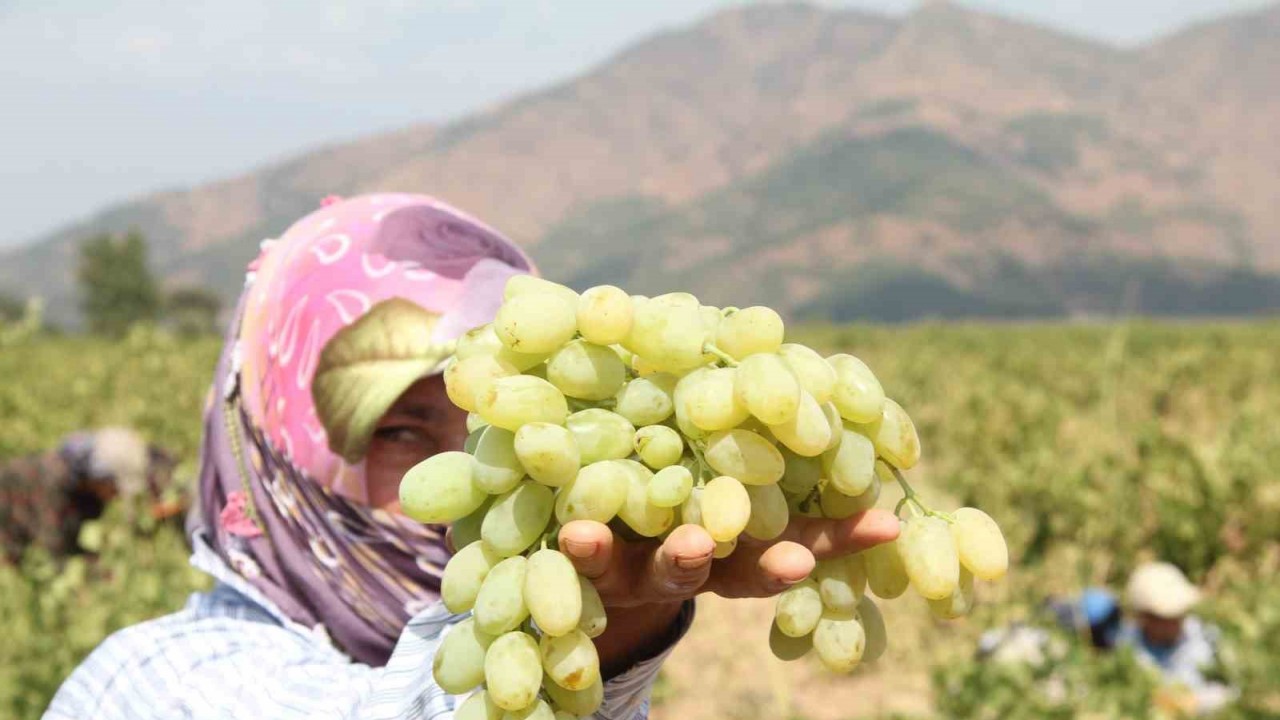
(103, 99)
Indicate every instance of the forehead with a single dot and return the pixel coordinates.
(428, 390)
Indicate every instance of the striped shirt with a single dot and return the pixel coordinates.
(231, 653)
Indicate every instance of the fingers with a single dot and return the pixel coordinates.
(681, 565)
(589, 546)
(760, 570)
(784, 565)
(829, 538)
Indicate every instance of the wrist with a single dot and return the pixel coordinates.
(636, 634)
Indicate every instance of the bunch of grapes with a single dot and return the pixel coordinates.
(649, 413)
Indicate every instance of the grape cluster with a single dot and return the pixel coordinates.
(648, 413)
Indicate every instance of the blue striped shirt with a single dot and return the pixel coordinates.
(231, 653)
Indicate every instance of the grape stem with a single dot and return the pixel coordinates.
(721, 355)
(912, 500)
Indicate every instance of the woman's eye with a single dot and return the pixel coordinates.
(401, 434)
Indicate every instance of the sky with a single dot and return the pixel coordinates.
(103, 100)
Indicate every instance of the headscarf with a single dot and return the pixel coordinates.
(283, 509)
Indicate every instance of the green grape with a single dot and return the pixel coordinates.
(647, 520)
(768, 388)
(513, 670)
(691, 508)
(725, 549)
(646, 400)
(680, 404)
(711, 401)
(500, 605)
(440, 489)
(459, 662)
(586, 371)
(562, 715)
(548, 453)
(749, 331)
(959, 603)
(725, 507)
(839, 506)
(466, 381)
(884, 472)
(571, 660)
(807, 433)
(540, 710)
(464, 574)
(929, 556)
(551, 591)
(769, 513)
(852, 465)
(746, 456)
(658, 446)
(605, 314)
(800, 474)
(531, 285)
(575, 702)
(484, 341)
(980, 544)
(668, 335)
(518, 518)
(841, 582)
(601, 435)
(835, 422)
(594, 620)
(787, 648)
(473, 439)
(839, 640)
(814, 373)
(513, 401)
(799, 608)
(670, 486)
(873, 625)
(536, 322)
(676, 300)
(466, 529)
(858, 394)
(886, 575)
(895, 436)
(479, 706)
(475, 423)
(711, 319)
(597, 493)
(495, 468)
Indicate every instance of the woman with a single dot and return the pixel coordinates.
(326, 601)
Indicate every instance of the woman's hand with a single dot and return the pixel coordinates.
(644, 583)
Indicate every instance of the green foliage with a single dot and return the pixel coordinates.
(116, 286)
(1050, 142)
(11, 308)
(192, 311)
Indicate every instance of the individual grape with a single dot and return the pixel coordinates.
(669, 335)
(807, 433)
(532, 285)
(539, 710)
(959, 603)
(680, 405)
(658, 446)
(458, 665)
(873, 625)
(886, 575)
(601, 435)
(814, 373)
(562, 715)
(440, 489)
(841, 582)
(980, 544)
(495, 468)
(484, 341)
(605, 314)
(711, 400)
(571, 660)
(644, 368)
(839, 640)
(835, 422)
(839, 506)
(726, 508)
(744, 455)
(769, 513)
(548, 453)
(594, 620)
(466, 529)
(464, 574)
(799, 608)
(513, 671)
(768, 388)
(711, 319)
(576, 702)
(787, 648)
(473, 439)
(596, 494)
(551, 591)
(670, 486)
(749, 331)
(929, 556)
(475, 423)
(676, 300)
(646, 400)
(800, 474)
(517, 518)
(510, 402)
(691, 508)
(895, 437)
(851, 466)
(500, 605)
(536, 322)
(466, 381)
(858, 394)
(639, 515)
(479, 706)
(586, 371)
(725, 549)
(885, 472)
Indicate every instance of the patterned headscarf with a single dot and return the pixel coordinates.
(285, 510)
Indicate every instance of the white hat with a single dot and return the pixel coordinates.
(1162, 590)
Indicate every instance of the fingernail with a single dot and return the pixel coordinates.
(579, 549)
(692, 562)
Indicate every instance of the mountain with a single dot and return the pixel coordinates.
(832, 163)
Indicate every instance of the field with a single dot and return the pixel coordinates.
(1094, 446)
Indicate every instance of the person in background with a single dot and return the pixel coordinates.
(45, 498)
(1095, 614)
(1163, 632)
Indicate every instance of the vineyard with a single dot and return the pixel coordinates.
(1095, 447)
